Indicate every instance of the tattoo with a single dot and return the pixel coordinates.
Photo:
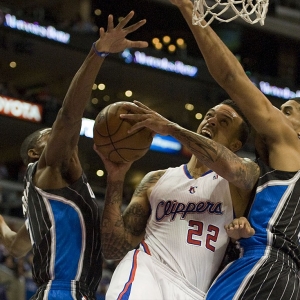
(241, 172)
(136, 218)
(150, 179)
(248, 174)
(116, 237)
(112, 225)
(203, 148)
(114, 192)
(118, 231)
(116, 245)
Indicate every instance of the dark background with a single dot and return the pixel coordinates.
(45, 69)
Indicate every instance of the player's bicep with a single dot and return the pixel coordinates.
(61, 143)
(257, 108)
(136, 217)
(138, 211)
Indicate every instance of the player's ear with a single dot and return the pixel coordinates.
(235, 146)
(32, 153)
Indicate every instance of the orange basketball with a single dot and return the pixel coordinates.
(112, 139)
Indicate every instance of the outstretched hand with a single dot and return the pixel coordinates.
(146, 117)
(114, 40)
(239, 228)
(116, 170)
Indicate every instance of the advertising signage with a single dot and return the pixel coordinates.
(19, 109)
(279, 92)
(141, 58)
(48, 32)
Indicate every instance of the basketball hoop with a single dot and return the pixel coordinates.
(251, 11)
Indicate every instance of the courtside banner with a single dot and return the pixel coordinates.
(19, 109)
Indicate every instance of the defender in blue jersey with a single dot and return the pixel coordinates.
(272, 254)
(62, 216)
(269, 263)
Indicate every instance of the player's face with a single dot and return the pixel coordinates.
(222, 124)
(291, 109)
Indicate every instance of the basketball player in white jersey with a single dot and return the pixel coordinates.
(177, 216)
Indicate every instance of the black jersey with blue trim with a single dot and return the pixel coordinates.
(275, 212)
(64, 227)
(268, 267)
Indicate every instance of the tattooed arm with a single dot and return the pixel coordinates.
(121, 233)
(243, 173)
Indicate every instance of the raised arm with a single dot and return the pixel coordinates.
(123, 231)
(17, 243)
(230, 75)
(66, 128)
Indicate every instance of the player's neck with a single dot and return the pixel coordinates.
(195, 168)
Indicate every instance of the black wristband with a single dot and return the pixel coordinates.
(101, 54)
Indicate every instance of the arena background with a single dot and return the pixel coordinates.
(43, 43)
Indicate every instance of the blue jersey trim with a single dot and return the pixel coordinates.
(68, 246)
(188, 174)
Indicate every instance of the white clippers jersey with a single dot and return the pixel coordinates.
(186, 228)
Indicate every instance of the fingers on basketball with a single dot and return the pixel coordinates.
(111, 135)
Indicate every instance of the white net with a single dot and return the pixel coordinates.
(252, 11)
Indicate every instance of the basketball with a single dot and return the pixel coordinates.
(112, 139)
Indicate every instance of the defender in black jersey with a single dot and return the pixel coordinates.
(272, 254)
(62, 216)
(269, 266)
(65, 231)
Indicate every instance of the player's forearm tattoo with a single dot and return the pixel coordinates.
(114, 192)
(203, 148)
(114, 246)
(248, 174)
(117, 235)
(112, 225)
(209, 152)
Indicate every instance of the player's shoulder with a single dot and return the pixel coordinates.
(155, 175)
(148, 182)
